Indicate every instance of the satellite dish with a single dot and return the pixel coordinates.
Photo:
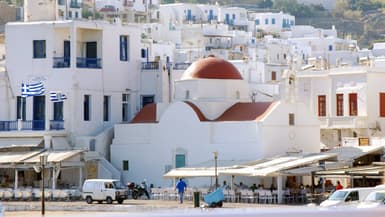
(37, 169)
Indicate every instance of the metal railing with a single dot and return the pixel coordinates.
(8, 125)
(33, 125)
(150, 65)
(61, 62)
(74, 4)
(181, 66)
(56, 125)
(92, 63)
(30, 125)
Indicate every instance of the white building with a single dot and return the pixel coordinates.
(272, 22)
(45, 10)
(95, 64)
(349, 102)
(212, 111)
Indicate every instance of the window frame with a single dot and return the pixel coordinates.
(353, 104)
(339, 104)
(322, 105)
(106, 108)
(382, 104)
(124, 46)
(87, 107)
(39, 50)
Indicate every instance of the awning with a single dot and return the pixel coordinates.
(20, 142)
(371, 170)
(54, 156)
(351, 153)
(300, 161)
(28, 159)
(266, 167)
(16, 157)
(192, 172)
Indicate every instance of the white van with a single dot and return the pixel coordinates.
(346, 197)
(100, 190)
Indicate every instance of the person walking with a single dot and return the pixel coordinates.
(182, 187)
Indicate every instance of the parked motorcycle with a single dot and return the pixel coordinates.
(137, 190)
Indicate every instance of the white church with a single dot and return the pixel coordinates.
(212, 111)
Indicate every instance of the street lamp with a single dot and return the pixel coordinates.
(43, 162)
(216, 172)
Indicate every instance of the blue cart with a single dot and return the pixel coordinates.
(215, 198)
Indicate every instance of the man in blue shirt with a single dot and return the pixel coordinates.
(181, 186)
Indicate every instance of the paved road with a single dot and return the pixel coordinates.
(33, 208)
(157, 208)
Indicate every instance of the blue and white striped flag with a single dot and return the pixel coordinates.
(57, 96)
(34, 89)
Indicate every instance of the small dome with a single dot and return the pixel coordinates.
(211, 68)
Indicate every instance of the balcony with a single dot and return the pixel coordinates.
(17, 125)
(75, 4)
(344, 122)
(91, 63)
(8, 125)
(181, 66)
(61, 62)
(56, 125)
(150, 65)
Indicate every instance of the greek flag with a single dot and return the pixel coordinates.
(34, 89)
(57, 96)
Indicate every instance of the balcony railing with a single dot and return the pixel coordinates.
(181, 66)
(56, 125)
(74, 4)
(344, 121)
(61, 62)
(33, 125)
(92, 63)
(150, 65)
(30, 125)
(8, 125)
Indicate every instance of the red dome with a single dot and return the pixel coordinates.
(211, 68)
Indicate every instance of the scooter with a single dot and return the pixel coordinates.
(137, 190)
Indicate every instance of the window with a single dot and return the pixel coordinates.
(291, 119)
(125, 165)
(143, 53)
(125, 106)
(266, 21)
(180, 160)
(39, 49)
(382, 104)
(124, 46)
(20, 108)
(353, 104)
(273, 21)
(340, 104)
(330, 47)
(58, 111)
(70, 14)
(87, 108)
(257, 22)
(273, 75)
(76, 14)
(322, 105)
(106, 108)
